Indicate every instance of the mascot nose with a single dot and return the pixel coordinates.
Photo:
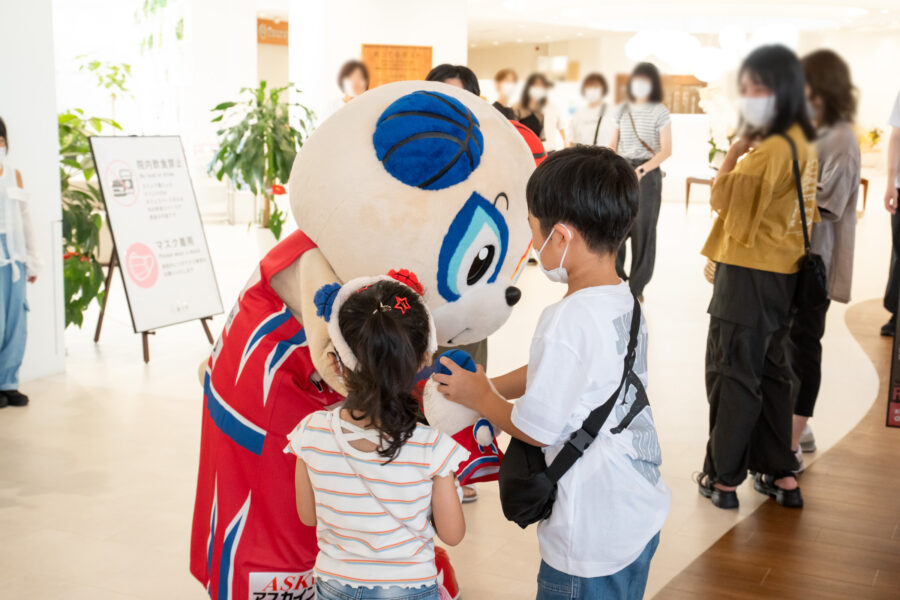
(513, 295)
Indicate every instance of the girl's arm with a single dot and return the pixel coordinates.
(665, 149)
(511, 385)
(306, 498)
(449, 522)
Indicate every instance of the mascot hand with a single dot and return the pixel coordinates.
(451, 417)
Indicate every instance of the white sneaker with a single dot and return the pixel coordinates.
(799, 456)
(807, 439)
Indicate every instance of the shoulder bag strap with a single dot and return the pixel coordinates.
(634, 128)
(599, 120)
(580, 440)
(799, 185)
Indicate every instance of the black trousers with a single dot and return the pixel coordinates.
(805, 357)
(642, 234)
(892, 291)
(748, 378)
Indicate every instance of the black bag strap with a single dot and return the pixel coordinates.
(599, 120)
(580, 440)
(799, 185)
(638, 136)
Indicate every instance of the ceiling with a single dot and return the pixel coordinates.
(540, 21)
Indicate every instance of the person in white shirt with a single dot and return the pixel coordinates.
(593, 123)
(353, 81)
(892, 293)
(611, 504)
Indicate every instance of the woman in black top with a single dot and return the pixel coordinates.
(530, 109)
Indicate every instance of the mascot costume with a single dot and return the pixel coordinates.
(416, 176)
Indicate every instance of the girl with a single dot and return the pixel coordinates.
(19, 262)
(590, 125)
(375, 482)
(643, 136)
(757, 241)
(832, 105)
(530, 109)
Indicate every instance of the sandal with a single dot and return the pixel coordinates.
(720, 498)
(765, 484)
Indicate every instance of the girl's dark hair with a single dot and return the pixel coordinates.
(390, 342)
(595, 79)
(3, 133)
(347, 70)
(778, 68)
(828, 78)
(446, 71)
(526, 95)
(649, 71)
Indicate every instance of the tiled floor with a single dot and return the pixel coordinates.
(97, 475)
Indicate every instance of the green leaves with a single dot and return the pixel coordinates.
(258, 143)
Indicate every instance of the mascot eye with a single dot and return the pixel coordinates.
(473, 249)
(481, 264)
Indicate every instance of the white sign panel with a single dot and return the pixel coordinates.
(156, 226)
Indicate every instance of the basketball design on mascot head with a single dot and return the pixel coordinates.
(417, 175)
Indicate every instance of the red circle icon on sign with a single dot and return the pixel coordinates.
(141, 265)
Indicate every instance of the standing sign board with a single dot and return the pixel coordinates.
(160, 245)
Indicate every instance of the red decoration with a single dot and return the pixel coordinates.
(278, 190)
(402, 304)
(409, 278)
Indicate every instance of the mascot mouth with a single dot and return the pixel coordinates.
(450, 341)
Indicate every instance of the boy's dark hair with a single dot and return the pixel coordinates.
(348, 68)
(446, 71)
(390, 344)
(648, 71)
(591, 188)
(3, 133)
(828, 78)
(778, 68)
(594, 79)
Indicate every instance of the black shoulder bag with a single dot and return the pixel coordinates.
(812, 279)
(527, 483)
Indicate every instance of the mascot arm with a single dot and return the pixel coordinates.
(297, 285)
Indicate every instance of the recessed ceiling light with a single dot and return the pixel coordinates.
(884, 11)
(518, 40)
(474, 45)
(854, 11)
(580, 33)
(496, 43)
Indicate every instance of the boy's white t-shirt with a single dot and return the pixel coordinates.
(613, 500)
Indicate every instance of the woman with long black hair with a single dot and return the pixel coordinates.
(757, 243)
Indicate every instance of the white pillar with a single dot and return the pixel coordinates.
(326, 33)
(28, 106)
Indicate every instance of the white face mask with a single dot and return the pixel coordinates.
(758, 111)
(2, 155)
(347, 86)
(559, 274)
(593, 94)
(507, 89)
(640, 88)
(537, 93)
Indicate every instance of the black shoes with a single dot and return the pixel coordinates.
(12, 398)
(719, 498)
(765, 484)
(887, 330)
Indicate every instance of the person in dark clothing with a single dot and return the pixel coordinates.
(506, 81)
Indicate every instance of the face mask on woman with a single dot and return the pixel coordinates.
(593, 94)
(811, 110)
(758, 111)
(508, 89)
(640, 88)
(2, 156)
(347, 86)
(537, 93)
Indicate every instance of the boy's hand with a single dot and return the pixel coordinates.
(462, 386)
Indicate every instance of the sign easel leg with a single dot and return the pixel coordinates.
(209, 336)
(113, 260)
(145, 338)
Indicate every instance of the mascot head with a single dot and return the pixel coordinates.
(427, 177)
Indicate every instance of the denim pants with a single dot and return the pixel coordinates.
(332, 590)
(13, 321)
(627, 584)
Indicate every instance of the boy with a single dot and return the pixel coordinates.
(610, 506)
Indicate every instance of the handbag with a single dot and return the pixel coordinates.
(527, 484)
(812, 279)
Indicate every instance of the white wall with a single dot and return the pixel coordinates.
(272, 64)
(28, 106)
(326, 33)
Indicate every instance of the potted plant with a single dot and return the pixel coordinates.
(258, 145)
(82, 212)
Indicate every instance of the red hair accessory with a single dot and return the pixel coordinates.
(409, 278)
(402, 304)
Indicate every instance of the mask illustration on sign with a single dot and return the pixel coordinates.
(758, 112)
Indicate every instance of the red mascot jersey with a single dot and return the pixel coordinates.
(247, 542)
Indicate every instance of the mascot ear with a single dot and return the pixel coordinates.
(409, 278)
(324, 299)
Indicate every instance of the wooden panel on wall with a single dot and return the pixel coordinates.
(681, 93)
(396, 63)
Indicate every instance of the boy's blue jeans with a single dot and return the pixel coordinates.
(627, 584)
